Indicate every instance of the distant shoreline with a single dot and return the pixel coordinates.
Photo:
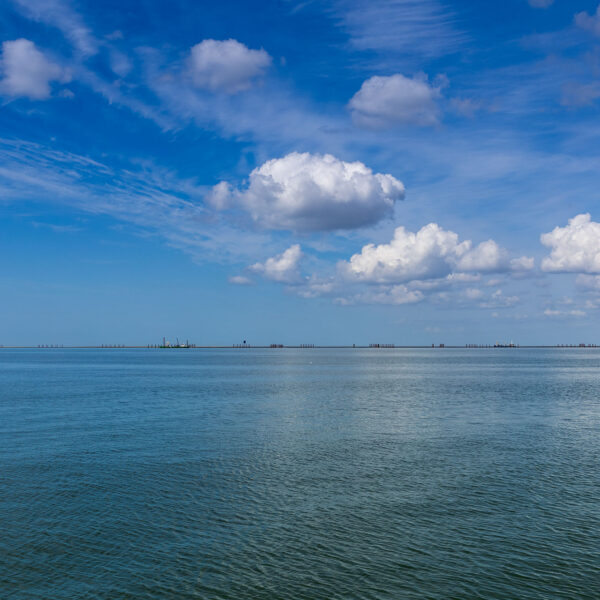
(300, 347)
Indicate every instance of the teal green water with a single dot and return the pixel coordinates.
(267, 474)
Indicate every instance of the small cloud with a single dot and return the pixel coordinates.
(27, 72)
(465, 107)
(588, 282)
(493, 282)
(226, 66)
(393, 295)
(575, 248)
(464, 277)
(240, 280)
(314, 287)
(564, 313)
(396, 100)
(120, 63)
(57, 228)
(499, 300)
(283, 268)
(592, 304)
(521, 264)
(487, 256)
(115, 35)
(473, 293)
(589, 22)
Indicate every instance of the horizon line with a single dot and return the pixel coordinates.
(291, 346)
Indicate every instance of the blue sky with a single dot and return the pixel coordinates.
(400, 171)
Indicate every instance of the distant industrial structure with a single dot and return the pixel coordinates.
(167, 344)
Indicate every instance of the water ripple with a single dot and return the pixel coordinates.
(266, 475)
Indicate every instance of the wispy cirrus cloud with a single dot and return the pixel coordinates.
(589, 22)
(410, 29)
(152, 200)
(60, 14)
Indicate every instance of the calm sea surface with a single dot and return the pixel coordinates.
(318, 474)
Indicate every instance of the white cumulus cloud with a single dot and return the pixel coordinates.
(312, 192)
(384, 101)
(575, 248)
(283, 268)
(430, 253)
(27, 72)
(226, 66)
(487, 256)
(521, 264)
(589, 22)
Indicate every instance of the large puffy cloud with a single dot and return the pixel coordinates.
(311, 192)
(430, 253)
(427, 254)
(429, 264)
(589, 22)
(27, 72)
(226, 66)
(575, 248)
(283, 268)
(383, 101)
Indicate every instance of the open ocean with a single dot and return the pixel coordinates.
(300, 474)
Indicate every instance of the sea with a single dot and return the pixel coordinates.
(300, 474)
